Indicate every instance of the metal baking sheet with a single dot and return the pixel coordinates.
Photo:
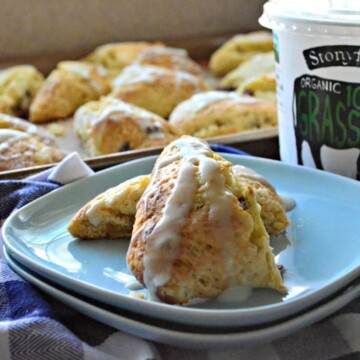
(262, 142)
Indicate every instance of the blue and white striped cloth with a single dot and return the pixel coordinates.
(36, 327)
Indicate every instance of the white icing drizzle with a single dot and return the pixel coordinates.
(250, 173)
(94, 212)
(234, 294)
(289, 202)
(189, 108)
(117, 110)
(21, 124)
(162, 50)
(128, 280)
(135, 74)
(220, 200)
(163, 241)
(87, 72)
(9, 137)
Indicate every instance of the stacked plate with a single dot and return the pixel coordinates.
(319, 252)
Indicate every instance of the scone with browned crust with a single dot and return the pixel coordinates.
(110, 214)
(170, 58)
(97, 218)
(12, 122)
(156, 89)
(110, 125)
(69, 86)
(217, 113)
(258, 65)
(272, 211)
(19, 149)
(239, 49)
(116, 56)
(18, 87)
(192, 238)
(260, 87)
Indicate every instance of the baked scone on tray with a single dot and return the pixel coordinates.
(116, 56)
(170, 58)
(216, 113)
(12, 122)
(110, 125)
(258, 65)
(238, 49)
(69, 86)
(155, 88)
(260, 87)
(19, 149)
(192, 237)
(18, 87)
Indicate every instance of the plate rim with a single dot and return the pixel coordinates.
(198, 340)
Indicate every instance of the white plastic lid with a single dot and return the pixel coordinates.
(331, 12)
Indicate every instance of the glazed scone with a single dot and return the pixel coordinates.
(110, 125)
(170, 58)
(118, 206)
(18, 87)
(192, 238)
(69, 86)
(272, 212)
(156, 89)
(239, 49)
(216, 113)
(261, 87)
(12, 122)
(258, 65)
(112, 213)
(114, 57)
(19, 149)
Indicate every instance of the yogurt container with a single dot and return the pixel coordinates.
(317, 51)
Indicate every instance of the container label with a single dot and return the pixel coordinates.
(326, 112)
(334, 55)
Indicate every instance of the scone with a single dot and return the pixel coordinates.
(239, 49)
(156, 89)
(192, 238)
(170, 58)
(216, 113)
(272, 212)
(69, 86)
(258, 65)
(112, 213)
(19, 149)
(12, 122)
(18, 87)
(114, 57)
(110, 125)
(118, 206)
(261, 87)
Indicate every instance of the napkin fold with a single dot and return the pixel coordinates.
(14, 194)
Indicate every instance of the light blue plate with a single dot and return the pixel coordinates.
(176, 335)
(320, 254)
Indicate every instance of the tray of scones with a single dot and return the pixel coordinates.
(127, 100)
